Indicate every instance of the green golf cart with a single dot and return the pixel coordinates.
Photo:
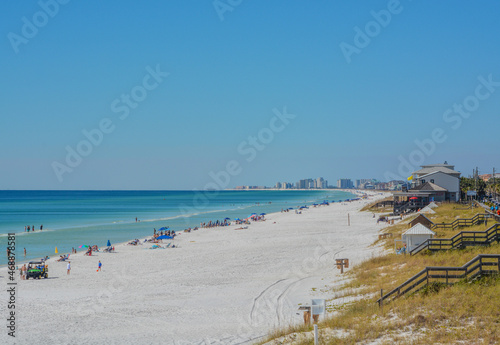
(37, 270)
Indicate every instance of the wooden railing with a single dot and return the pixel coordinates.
(461, 240)
(483, 264)
(384, 203)
(488, 210)
(463, 222)
(401, 207)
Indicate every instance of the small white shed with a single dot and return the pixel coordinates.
(416, 235)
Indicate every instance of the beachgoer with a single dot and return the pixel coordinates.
(24, 251)
(100, 266)
(68, 267)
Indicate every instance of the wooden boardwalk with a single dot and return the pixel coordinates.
(464, 222)
(483, 264)
(461, 240)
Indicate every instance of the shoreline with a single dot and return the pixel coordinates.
(218, 283)
(51, 235)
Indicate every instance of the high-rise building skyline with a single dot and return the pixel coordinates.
(345, 183)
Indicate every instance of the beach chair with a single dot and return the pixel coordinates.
(168, 245)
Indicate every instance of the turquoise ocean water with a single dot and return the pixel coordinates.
(73, 218)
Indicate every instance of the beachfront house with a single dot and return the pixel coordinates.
(436, 182)
(416, 235)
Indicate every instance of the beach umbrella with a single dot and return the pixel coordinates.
(164, 228)
(413, 198)
(237, 219)
(57, 251)
(227, 218)
(262, 214)
(109, 244)
(164, 237)
(84, 246)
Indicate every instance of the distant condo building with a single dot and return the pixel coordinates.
(319, 183)
(284, 185)
(362, 182)
(345, 183)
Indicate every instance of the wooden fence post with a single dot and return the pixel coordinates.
(381, 298)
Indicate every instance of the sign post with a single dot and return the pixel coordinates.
(341, 263)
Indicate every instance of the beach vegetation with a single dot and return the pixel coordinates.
(467, 312)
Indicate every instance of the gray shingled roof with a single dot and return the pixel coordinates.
(439, 165)
(429, 187)
(445, 170)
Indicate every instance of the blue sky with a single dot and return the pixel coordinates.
(356, 117)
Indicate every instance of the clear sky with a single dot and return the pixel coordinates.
(325, 88)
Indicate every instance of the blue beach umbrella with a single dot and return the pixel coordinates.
(109, 244)
(262, 214)
(237, 219)
(164, 228)
(227, 218)
(164, 237)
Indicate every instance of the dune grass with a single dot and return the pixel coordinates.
(464, 313)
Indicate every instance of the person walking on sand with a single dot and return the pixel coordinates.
(69, 267)
(100, 266)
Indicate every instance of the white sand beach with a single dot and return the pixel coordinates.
(220, 286)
